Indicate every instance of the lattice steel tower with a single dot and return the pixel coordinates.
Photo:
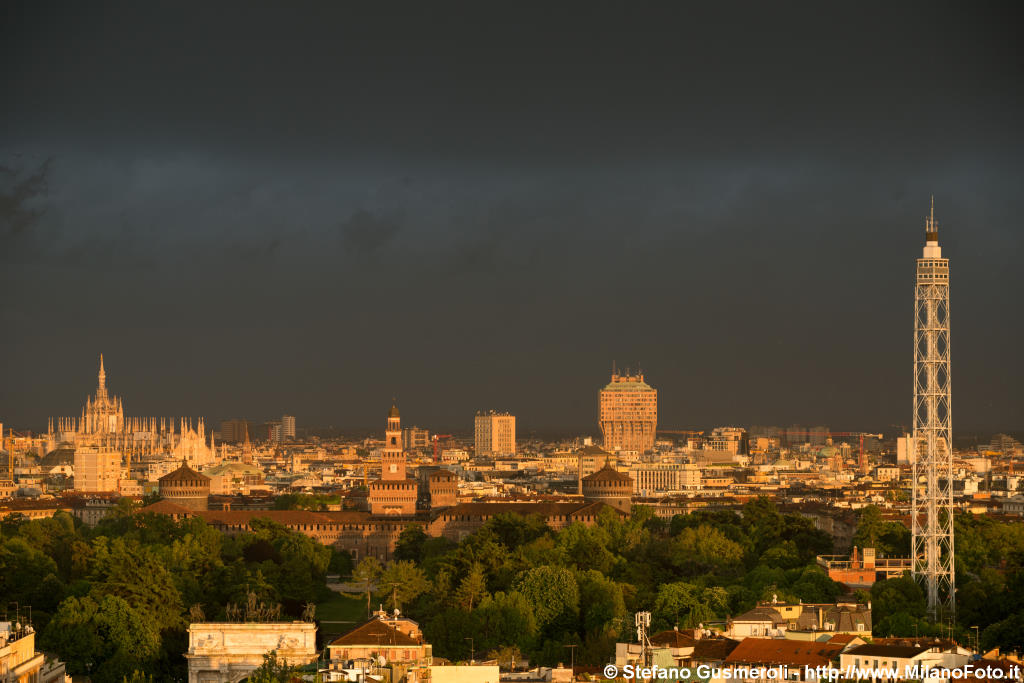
(932, 488)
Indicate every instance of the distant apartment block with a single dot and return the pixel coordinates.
(96, 469)
(414, 437)
(628, 413)
(275, 432)
(495, 434)
(727, 440)
(287, 427)
(233, 431)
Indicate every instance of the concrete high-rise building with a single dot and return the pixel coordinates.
(628, 413)
(287, 427)
(233, 431)
(495, 434)
(96, 469)
(932, 486)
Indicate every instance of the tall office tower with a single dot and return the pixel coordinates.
(287, 426)
(234, 430)
(495, 433)
(628, 413)
(932, 487)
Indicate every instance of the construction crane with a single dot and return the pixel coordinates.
(862, 460)
(438, 437)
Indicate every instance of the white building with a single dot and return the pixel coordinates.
(228, 652)
(656, 478)
(287, 427)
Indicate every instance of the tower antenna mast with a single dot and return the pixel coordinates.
(932, 484)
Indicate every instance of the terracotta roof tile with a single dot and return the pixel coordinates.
(375, 633)
(770, 651)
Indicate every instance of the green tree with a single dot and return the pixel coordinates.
(133, 572)
(505, 619)
(410, 544)
(367, 573)
(106, 639)
(402, 580)
(602, 605)
(704, 549)
(512, 530)
(553, 593)
(895, 596)
(273, 670)
(472, 589)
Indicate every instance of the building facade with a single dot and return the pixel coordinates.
(495, 434)
(287, 427)
(97, 469)
(628, 413)
(414, 437)
(229, 652)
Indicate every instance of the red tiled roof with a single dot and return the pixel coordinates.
(166, 507)
(374, 633)
(607, 473)
(771, 651)
(286, 517)
(673, 638)
(185, 474)
(545, 509)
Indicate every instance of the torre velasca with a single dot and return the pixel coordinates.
(628, 413)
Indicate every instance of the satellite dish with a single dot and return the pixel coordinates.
(397, 612)
(381, 660)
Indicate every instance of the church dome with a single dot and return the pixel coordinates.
(394, 411)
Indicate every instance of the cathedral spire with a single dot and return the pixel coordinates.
(102, 388)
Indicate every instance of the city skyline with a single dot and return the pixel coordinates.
(502, 203)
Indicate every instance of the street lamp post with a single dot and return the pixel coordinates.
(572, 658)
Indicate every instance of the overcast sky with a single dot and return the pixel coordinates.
(309, 208)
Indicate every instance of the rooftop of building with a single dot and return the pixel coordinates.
(772, 651)
(628, 383)
(375, 633)
(184, 474)
(885, 650)
(607, 474)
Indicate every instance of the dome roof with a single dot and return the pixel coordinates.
(394, 411)
(62, 455)
(183, 475)
(607, 474)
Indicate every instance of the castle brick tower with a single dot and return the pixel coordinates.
(394, 493)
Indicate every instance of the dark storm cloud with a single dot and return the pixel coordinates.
(255, 208)
(364, 235)
(22, 193)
